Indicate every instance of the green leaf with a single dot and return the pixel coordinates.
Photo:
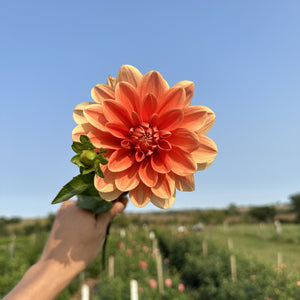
(91, 200)
(77, 147)
(75, 186)
(84, 139)
(87, 171)
(102, 159)
(98, 168)
(77, 161)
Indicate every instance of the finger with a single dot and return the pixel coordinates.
(118, 206)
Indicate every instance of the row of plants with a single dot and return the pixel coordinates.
(208, 276)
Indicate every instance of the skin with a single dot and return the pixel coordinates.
(74, 242)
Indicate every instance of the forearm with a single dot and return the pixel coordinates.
(44, 280)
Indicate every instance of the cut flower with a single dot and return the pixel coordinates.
(155, 140)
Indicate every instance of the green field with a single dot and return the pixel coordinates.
(205, 275)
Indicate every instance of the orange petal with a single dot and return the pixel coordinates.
(129, 179)
(206, 152)
(209, 120)
(160, 162)
(173, 98)
(127, 95)
(117, 130)
(170, 119)
(185, 183)
(121, 160)
(78, 116)
(163, 203)
(182, 163)
(111, 81)
(198, 118)
(153, 83)
(106, 184)
(111, 196)
(149, 106)
(101, 92)
(147, 174)
(184, 139)
(103, 139)
(141, 195)
(94, 115)
(189, 90)
(82, 129)
(165, 186)
(116, 113)
(129, 74)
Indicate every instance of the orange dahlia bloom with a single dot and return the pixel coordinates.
(155, 140)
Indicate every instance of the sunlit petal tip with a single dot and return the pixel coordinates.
(189, 87)
(111, 81)
(185, 183)
(140, 196)
(163, 203)
(129, 74)
(100, 92)
(111, 196)
(78, 115)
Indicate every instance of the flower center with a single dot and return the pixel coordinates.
(145, 138)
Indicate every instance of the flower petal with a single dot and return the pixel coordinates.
(141, 195)
(209, 120)
(170, 120)
(78, 116)
(147, 174)
(206, 152)
(163, 203)
(149, 106)
(116, 113)
(117, 130)
(82, 129)
(165, 186)
(189, 90)
(121, 160)
(182, 163)
(129, 179)
(127, 95)
(101, 92)
(153, 83)
(129, 74)
(111, 81)
(173, 98)
(94, 115)
(111, 196)
(185, 183)
(160, 162)
(106, 184)
(198, 118)
(184, 139)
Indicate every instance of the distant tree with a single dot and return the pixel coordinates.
(263, 213)
(233, 210)
(295, 199)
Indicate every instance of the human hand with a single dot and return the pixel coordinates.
(77, 234)
(74, 242)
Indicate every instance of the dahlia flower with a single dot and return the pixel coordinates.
(155, 140)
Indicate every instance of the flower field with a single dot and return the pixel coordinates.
(234, 262)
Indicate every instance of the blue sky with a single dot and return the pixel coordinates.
(242, 55)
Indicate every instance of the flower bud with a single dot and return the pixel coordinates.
(88, 157)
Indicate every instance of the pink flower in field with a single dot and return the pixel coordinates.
(166, 261)
(298, 283)
(129, 251)
(168, 282)
(181, 287)
(143, 264)
(121, 245)
(146, 249)
(155, 140)
(153, 283)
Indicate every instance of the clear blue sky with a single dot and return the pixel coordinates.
(244, 57)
